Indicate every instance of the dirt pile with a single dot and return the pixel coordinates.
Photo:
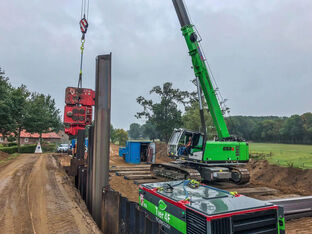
(161, 149)
(285, 179)
(114, 158)
(63, 159)
(114, 150)
(161, 152)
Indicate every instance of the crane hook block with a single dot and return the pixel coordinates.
(83, 25)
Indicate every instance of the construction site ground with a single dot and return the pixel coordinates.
(288, 182)
(36, 196)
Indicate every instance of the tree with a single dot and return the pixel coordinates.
(240, 126)
(135, 131)
(149, 131)
(307, 124)
(43, 116)
(191, 120)
(164, 115)
(293, 130)
(256, 132)
(112, 134)
(6, 121)
(121, 136)
(270, 131)
(118, 136)
(19, 109)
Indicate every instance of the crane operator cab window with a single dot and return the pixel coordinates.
(190, 143)
(185, 144)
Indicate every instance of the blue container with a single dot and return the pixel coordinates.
(135, 151)
(122, 151)
(133, 154)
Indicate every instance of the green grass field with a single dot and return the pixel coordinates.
(284, 154)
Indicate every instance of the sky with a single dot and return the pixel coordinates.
(260, 51)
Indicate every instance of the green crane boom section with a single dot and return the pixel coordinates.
(201, 71)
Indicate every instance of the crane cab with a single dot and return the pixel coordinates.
(191, 145)
(186, 144)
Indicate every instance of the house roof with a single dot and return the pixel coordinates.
(50, 135)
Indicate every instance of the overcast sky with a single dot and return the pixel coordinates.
(260, 51)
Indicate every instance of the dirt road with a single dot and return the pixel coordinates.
(36, 197)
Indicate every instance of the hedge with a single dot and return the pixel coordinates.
(48, 148)
(9, 150)
(28, 148)
(23, 149)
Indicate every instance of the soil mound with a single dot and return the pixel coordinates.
(285, 179)
(161, 152)
(114, 150)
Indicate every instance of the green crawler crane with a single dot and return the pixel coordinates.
(218, 160)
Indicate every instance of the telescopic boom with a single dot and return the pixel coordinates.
(200, 69)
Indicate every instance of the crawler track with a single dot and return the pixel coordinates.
(242, 175)
(174, 171)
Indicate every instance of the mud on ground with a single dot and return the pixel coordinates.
(36, 196)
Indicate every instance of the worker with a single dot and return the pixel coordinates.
(185, 149)
(150, 154)
(188, 146)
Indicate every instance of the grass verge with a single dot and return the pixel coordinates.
(283, 154)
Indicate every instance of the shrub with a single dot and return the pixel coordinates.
(27, 149)
(23, 149)
(48, 148)
(9, 150)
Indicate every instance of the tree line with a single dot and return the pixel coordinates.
(21, 109)
(180, 109)
(296, 129)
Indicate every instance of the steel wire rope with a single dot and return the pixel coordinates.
(84, 9)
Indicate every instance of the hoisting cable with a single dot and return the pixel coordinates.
(83, 28)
